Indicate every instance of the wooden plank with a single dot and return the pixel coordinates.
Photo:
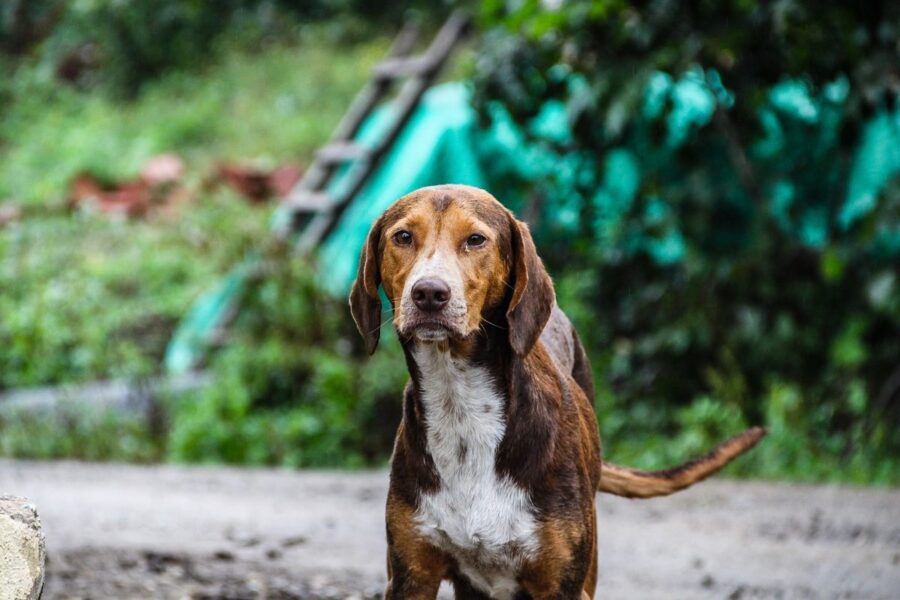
(341, 152)
(323, 223)
(397, 68)
(320, 172)
(308, 201)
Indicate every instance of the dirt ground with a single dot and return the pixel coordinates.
(172, 532)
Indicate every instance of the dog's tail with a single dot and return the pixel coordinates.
(631, 483)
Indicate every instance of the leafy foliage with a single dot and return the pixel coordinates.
(293, 386)
(246, 107)
(120, 45)
(79, 432)
(693, 170)
(86, 298)
(83, 297)
(687, 168)
(617, 45)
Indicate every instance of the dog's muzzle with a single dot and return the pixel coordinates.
(433, 307)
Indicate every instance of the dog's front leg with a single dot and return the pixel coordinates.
(415, 567)
(405, 584)
(566, 567)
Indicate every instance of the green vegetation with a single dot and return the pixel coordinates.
(268, 107)
(293, 386)
(726, 259)
(85, 296)
(79, 432)
(710, 258)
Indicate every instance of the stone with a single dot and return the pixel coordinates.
(22, 551)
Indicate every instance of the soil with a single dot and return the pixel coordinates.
(121, 531)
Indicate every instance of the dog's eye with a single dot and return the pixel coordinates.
(474, 240)
(402, 238)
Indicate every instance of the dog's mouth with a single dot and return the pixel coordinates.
(430, 330)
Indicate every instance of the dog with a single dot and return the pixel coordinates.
(497, 457)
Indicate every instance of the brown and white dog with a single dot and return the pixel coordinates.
(497, 457)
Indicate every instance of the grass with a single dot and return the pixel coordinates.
(268, 107)
(85, 297)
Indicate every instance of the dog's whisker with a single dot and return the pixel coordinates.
(491, 323)
(382, 324)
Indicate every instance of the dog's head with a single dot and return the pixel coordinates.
(447, 257)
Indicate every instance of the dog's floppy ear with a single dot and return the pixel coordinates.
(533, 296)
(365, 303)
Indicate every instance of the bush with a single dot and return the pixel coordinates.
(293, 386)
(85, 297)
(76, 431)
(121, 45)
(243, 107)
(690, 173)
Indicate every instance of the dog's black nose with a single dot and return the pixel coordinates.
(431, 295)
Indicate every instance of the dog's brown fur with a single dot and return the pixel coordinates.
(512, 328)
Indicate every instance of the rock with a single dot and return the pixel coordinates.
(21, 550)
(294, 540)
(223, 555)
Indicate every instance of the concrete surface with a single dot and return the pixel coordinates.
(176, 532)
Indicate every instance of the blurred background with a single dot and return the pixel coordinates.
(714, 186)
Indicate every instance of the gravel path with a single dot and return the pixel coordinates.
(116, 531)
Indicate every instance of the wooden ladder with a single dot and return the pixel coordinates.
(313, 211)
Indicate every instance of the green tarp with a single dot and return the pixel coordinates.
(442, 143)
(437, 146)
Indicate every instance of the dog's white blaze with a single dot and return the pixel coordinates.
(486, 522)
(441, 267)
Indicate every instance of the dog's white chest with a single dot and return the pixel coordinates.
(486, 522)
